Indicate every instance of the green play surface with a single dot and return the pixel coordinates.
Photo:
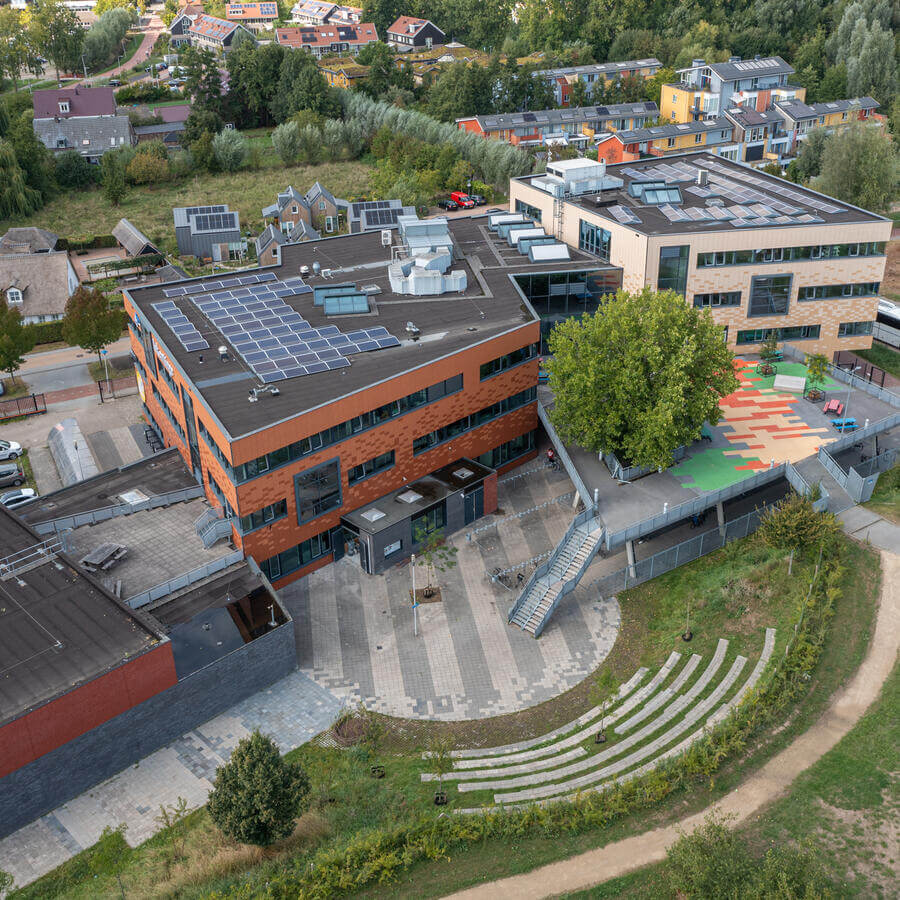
(781, 368)
(712, 469)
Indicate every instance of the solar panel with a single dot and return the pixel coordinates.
(624, 215)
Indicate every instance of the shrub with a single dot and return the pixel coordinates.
(793, 524)
(286, 141)
(257, 793)
(146, 168)
(230, 149)
(46, 332)
(74, 171)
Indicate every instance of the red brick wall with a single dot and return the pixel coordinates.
(490, 494)
(85, 707)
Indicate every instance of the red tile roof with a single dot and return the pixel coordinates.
(98, 101)
(213, 28)
(401, 26)
(243, 11)
(312, 36)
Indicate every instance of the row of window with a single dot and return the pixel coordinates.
(215, 449)
(508, 451)
(344, 430)
(833, 291)
(851, 329)
(168, 413)
(293, 558)
(264, 516)
(723, 298)
(446, 432)
(594, 239)
(371, 467)
(791, 333)
(787, 254)
(502, 363)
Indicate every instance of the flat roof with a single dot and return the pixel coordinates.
(736, 198)
(152, 475)
(58, 627)
(448, 323)
(564, 116)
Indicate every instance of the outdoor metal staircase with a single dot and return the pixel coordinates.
(559, 575)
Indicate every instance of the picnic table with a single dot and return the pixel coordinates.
(104, 557)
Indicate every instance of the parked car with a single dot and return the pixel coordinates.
(161, 66)
(477, 199)
(10, 450)
(448, 204)
(11, 475)
(461, 198)
(12, 499)
(115, 82)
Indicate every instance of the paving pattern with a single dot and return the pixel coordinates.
(292, 711)
(759, 424)
(356, 631)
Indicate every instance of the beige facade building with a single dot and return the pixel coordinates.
(760, 252)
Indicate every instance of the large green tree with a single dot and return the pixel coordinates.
(16, 339)
(18, 53)
(253, 73)
(34, 158)
(860, 165)
(202, 79)
(89, 322)
(16, 197)
(302, 86)
(58, 34)
(257, 794)
(639, 377)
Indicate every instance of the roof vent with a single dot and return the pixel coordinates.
(409, 496)
(372, 515)
(702, 177)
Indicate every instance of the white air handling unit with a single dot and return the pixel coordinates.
(516, 236)
(547, 252)
(422, 272)
(570, 177)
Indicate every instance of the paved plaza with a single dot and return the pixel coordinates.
(356, 632)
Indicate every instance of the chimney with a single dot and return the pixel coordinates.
(702, 177)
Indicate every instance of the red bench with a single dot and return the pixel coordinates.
(835, 407)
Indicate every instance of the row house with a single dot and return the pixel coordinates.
(409, 33)
(255, 16)
(215, 34)
(323, 40)
(563, 79)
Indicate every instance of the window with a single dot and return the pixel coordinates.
(371, 467)
(329, 224)
(673, 266)
(854, 329)
(263, 516)
(318, 490)
(698, 138)
(14, 296)
(63, 106)
(831, 291)
(670, 142)
(321, 204)
(594, 239)
(817, 251)
(290, 560)
(430, 520)
(791, 333)
(502, 363)
(769, 295)
(393, 548)
(730, 298)
(508, 451)
(531, 211)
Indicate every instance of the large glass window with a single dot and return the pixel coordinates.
(852, 329)
(673, 267)
(594, 239)
(531, 211)
(508, 451)
(290, 560)
(370, 467)
(769, 295)
(263, 516)
(729, 298)
(834, 291)
(318, 490)
(791, 333)
(430, 520)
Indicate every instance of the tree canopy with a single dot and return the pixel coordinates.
(639, 377)
(16, 339)
(58, 34)
(89, 322)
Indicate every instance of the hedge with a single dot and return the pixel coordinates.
(46, 332)
(379, 855)
(91, 242)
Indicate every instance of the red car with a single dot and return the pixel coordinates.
(462, 199)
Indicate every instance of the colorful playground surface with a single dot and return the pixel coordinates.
(759, 425)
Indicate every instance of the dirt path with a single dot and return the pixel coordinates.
(595, 866)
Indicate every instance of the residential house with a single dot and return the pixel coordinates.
(215, 34)
(575, 125)
(799, 118)
(255, 16)
(273, 238)
(312, 12)
(344, 73)
(665, 140)
(321, 40)
(706, 90)
(38, 284)
(327, 211)
(757, 136)
(208, 232)
(376, 215)
(318, 209)
(169, 130)
(81, 119)
(288, 210)
(180, 26)
(133, 241)
(562, 79)
(409, 32)
(28, 240)
(346, 15)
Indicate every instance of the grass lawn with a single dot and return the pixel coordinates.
(737, 592)
(13, 389)
(87, 212)
(882, 356)
(886, 499)
(119, 367)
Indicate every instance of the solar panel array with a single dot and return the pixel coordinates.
(381, 217)
(216, 221)
(624, 215)
(272, 338)
(360, 205)
(181, 326)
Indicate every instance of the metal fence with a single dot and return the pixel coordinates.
(29, 557)
(685, 552)
(848, 361)
(112, 388)
(32, 405)
(564, 457)
(887, 335)
(93, 516)
(862, 477)
(860, 384)
(158, 591)
(632, 473)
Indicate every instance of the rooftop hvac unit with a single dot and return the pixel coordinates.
(385, 237)
(702, 177)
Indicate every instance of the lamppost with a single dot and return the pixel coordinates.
(849, 389)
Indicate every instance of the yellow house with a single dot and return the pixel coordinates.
(343, 73)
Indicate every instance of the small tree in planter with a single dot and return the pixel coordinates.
(816, 373)
(604, 691)
(435, 553)
(767, 353)
(441, 756)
